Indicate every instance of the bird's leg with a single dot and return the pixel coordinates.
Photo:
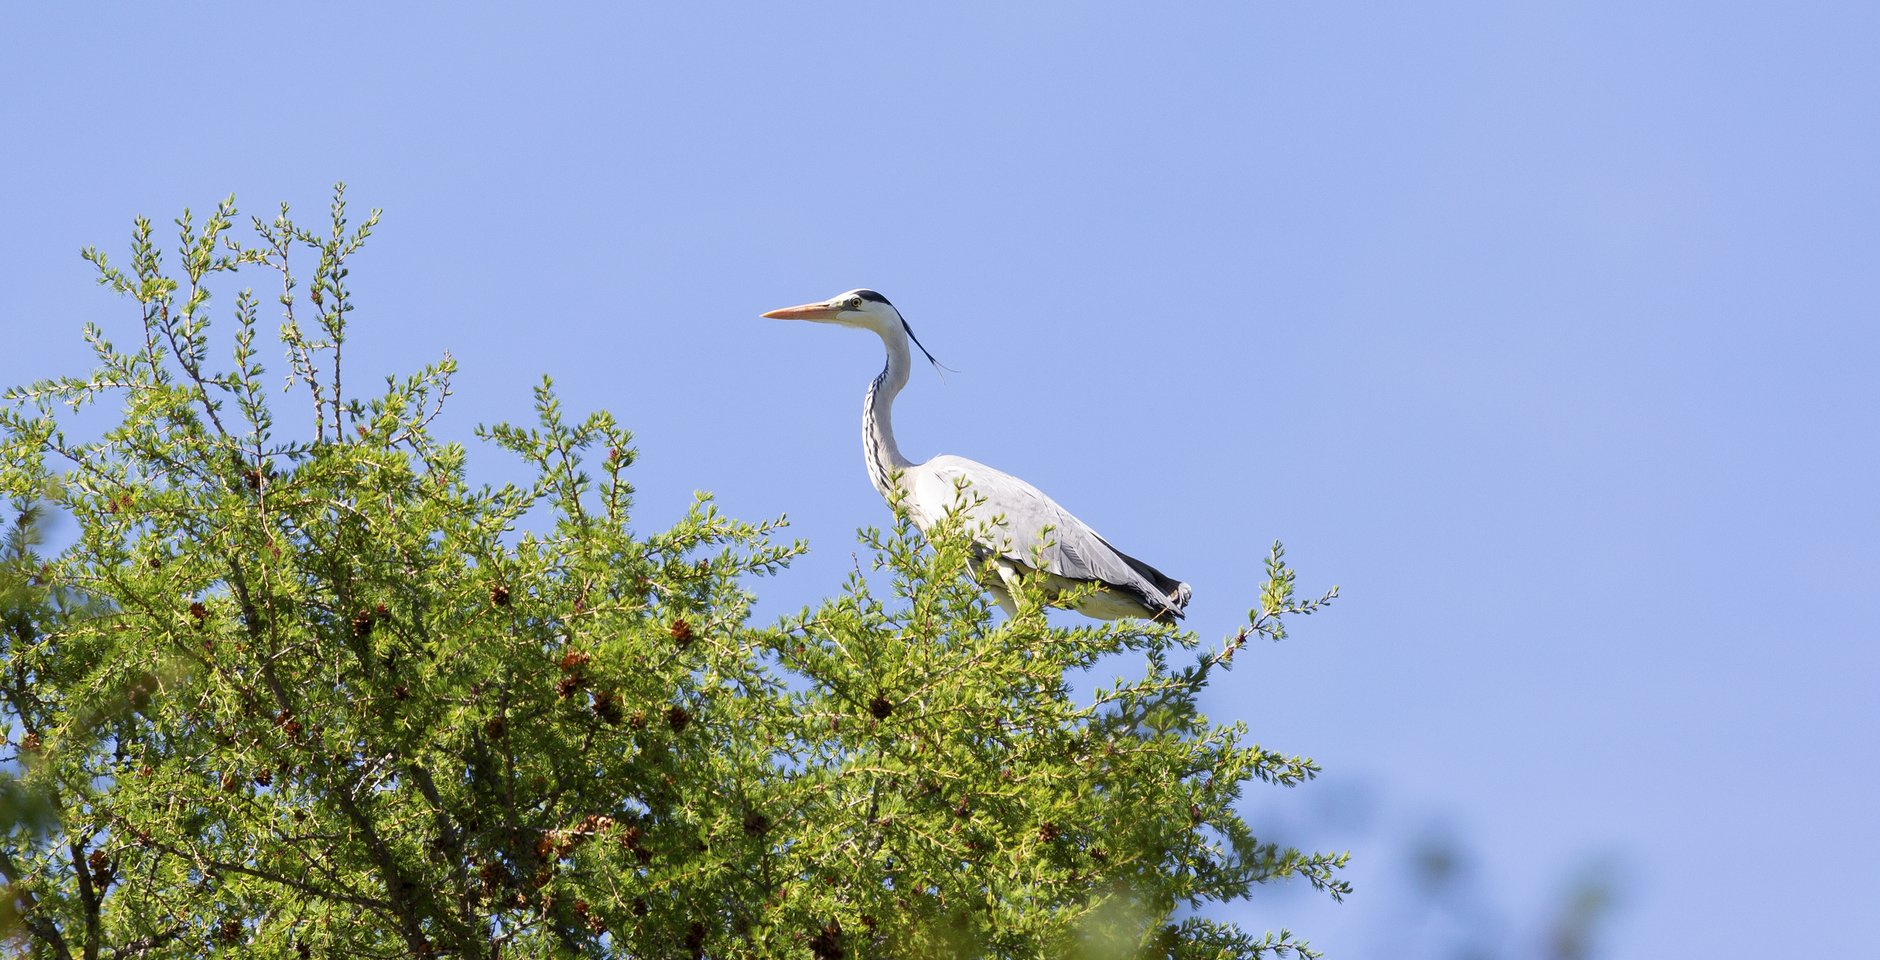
(1005, 591)
(1003, 598)
(1001, 585)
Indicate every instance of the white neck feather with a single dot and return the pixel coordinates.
(879, 451)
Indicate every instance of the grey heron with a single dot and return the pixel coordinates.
(1016, 528)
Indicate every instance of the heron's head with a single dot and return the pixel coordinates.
(857, 308)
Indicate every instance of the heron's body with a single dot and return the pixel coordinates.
(1014, 518)
(1017, 529)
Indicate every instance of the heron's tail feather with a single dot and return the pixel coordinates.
(1175, 600)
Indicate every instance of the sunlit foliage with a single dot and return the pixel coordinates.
(313, 691)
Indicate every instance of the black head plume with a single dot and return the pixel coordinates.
(878, 298)
(922, 346)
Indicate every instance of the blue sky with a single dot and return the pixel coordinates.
(1546, 330)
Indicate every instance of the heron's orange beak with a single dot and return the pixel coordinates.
(808, 311)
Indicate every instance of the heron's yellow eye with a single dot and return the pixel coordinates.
(855, 303)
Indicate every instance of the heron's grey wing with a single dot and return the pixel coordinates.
(1071, 549)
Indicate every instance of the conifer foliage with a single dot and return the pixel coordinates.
(298, 686)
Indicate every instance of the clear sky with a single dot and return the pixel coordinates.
(1547, 330)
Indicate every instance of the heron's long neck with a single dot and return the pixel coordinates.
(878, 448)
